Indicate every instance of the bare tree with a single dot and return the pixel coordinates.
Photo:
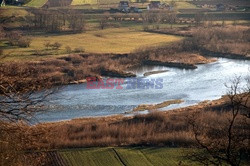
(18, 92)
(198, 18)
(225, 139)
(103, 22)
(19, 101)
(76, 21)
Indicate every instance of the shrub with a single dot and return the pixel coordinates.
(1, 52)
(15, 38)
(47, 45)
(24, 42)
(68, 49)
(79, 50)
(38, 53)
(145, 27)
(56, 45)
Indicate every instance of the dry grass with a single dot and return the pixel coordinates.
(155, 129)
(156, 106)
(170, 129)
(229, 39)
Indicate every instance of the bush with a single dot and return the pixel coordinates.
(47, 45)
(24, 42)
(38, 53)
(1, 52)
(56, 45)
(145, 27)
(15, 38)
(79, 50)
(68, 49)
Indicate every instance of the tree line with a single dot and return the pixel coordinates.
(55, 20)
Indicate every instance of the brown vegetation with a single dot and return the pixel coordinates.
(16, 38)
(222, 39)
(156, 129)
(231, 39)
(19, 143)
(76, 67)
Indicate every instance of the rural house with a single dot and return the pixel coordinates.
(154, 5)
(2, 3)
(220, 7)
(124, 6)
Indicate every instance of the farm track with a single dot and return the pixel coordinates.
(119, 157)
(56, 159)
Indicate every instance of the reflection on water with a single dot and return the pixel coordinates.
(193, 86)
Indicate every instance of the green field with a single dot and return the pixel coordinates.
(185, 5)
(126, 156)
(112, 40)
(36, 3)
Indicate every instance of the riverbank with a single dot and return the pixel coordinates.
(158, 128)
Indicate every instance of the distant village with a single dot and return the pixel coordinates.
(126, 6)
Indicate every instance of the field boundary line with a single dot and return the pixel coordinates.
(119, 157)
(146, 157)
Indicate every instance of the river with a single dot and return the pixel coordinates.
(207, 82)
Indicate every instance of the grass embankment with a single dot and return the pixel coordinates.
(128, 156)
(152, 107)
(154, 72)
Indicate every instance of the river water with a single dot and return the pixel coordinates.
(207, 82)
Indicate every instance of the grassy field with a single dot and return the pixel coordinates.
(36, 3)
(126, 156)
(113, 40)
(185, 5)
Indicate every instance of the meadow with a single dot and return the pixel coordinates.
(132, 156)
(112, 40)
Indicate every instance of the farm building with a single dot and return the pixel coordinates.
(154, 5)
(12, 2)
(220, 7)
(2, 3)
(124, 6)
